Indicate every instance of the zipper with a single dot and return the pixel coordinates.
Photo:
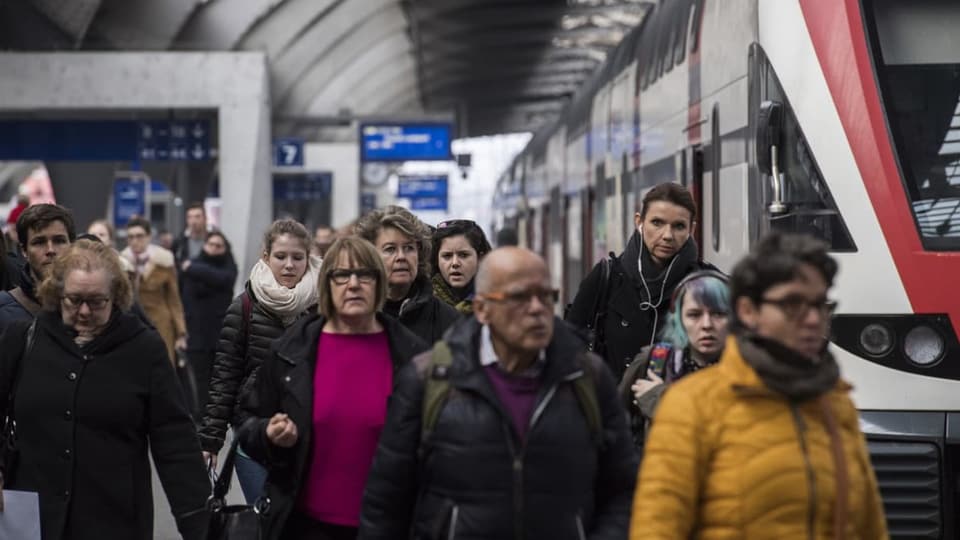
(811, 476)
(582, 534)
(454, 514)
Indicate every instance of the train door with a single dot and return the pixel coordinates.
(599, 206)
(587, 202)
(573, 246)
(693, 180)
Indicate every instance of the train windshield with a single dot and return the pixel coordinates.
(916, 48)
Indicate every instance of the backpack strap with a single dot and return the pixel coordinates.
(437, 388)
(595, 325)
(586, 390)
(28, 304)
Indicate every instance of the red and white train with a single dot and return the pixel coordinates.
(838, 118)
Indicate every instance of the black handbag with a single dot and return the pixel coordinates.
(234, 521)
(9, 455)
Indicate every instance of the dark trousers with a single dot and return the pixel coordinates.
(202, 364)
(302, 527)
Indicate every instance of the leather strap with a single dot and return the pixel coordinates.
(25, 301)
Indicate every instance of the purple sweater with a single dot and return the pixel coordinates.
(517, 393)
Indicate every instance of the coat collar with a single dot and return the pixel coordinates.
(159, 258)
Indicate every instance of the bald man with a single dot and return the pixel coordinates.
(527, 439)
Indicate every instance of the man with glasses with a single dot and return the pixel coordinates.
(44, 231)
(507, 429)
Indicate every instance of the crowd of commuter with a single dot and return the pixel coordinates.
(394, 380)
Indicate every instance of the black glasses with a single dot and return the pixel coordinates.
(547, 297)
(456, 223)
(795, 307)
(364, 275)
(95, 303)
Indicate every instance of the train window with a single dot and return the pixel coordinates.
(697, 18)
(812, 209)
(917, 61)
(685, 16)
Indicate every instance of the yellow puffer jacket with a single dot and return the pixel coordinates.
(729, 458)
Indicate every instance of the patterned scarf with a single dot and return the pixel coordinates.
(462, 302)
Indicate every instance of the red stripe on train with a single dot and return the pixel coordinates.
(837, 31)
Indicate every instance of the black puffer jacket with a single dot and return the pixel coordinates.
(285, 384)
(238, 358)
(423, 313)
(476, 480)
(206, 288)
(633, 317)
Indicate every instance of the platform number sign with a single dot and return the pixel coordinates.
(288, 153)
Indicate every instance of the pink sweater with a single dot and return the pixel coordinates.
(352, 380)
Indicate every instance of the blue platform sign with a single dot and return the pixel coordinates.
(429, 203)
(105, 140)
(302, 187)
(417, 186)
(129, 199)
(288, 152)
(405, 142)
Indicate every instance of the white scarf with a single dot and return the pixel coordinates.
(285, 303)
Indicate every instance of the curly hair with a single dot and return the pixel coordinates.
(88, 256)
(409, 225)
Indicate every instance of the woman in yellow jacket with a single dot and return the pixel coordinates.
(766, 444)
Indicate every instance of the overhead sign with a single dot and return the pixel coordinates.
(429, 203)
(411, 187)
(302, 186)
(288, 152)
(129, 200)
(405, 142)
(105, 140)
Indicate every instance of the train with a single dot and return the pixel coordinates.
(836, 118)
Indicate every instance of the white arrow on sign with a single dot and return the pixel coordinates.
(197, 151)
(198, 131)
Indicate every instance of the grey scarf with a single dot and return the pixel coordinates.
(787, 372)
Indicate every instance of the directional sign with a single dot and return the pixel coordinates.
(104, 140)
(411, 186)
(429, 203)
(405, 142)
(129, 199)
(288, 152)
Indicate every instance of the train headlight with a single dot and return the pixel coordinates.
(923, 345)
(876, 339)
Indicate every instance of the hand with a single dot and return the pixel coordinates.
(281, 431)
(642, 386)
(181, 343)
(185, 265)
(210, 459)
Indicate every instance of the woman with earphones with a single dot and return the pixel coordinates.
(692, 338)
(627, 311)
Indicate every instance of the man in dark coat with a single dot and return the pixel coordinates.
(45, 231)
(511, 452)
(659, 254)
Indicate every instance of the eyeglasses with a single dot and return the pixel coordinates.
(364, 275)
(795, 307)
(95, 303)
(547, 297)
(457, 223)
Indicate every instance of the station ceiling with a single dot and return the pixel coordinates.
(496, 66)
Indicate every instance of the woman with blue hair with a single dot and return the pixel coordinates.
(692, 338)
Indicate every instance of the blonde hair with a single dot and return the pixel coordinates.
(88, 256)
(361, 253)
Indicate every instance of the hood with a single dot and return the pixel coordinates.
(123, 327)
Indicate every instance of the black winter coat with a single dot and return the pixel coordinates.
(424, 314)
(627, 328)
(86, 417)
(476, 480)
(285, 384)
(238, 358)
(207, 291)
